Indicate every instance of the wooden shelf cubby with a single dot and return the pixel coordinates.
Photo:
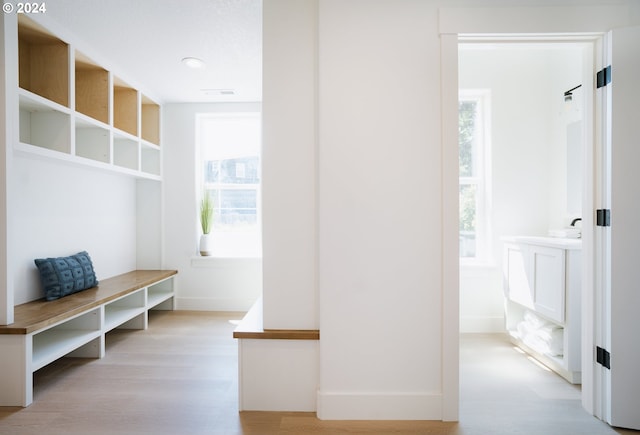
(43, 62)
(92, 89)
(150, 122)
(125, 107)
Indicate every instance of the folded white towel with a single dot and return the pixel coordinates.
(533, 320)
(541, 335)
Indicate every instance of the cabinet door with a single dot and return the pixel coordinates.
(518, 284)
(548, 272)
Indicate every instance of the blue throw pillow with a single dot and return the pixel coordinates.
(63, 276)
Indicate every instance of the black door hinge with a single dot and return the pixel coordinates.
(603, 217)
(603, 357)
(603, 77)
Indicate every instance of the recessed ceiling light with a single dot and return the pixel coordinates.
(193, 62)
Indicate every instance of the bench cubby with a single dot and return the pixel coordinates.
(160, 295)
(130, 307)
(76, 325)
(65, 337)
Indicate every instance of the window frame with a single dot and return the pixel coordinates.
(229, 242)
(482, 176)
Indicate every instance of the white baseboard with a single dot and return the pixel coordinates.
(214, 304)
(482, 324)
(379, 406)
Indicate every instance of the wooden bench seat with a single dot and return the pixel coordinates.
(39, 314)
(251, 327)
(75, 325)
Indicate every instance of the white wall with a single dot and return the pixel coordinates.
(379, 192)
(61, 209)
(289, 185)
(379, 172)
(375, 205)
(528, 156)
(219, 284)
(8, 79)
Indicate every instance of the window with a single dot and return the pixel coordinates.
(230, 173)
(474, 142)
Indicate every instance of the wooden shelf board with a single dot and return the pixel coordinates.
(251, 327)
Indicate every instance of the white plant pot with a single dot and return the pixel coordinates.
(206, 245)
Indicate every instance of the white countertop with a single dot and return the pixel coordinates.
(554, 242)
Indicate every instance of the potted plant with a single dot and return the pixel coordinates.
(206, 221)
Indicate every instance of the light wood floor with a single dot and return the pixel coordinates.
(179, 377)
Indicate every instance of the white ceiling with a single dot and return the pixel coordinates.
(148, 38)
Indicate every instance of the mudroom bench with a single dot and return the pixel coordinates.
(75, 325)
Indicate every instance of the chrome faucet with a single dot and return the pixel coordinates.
(573, 222)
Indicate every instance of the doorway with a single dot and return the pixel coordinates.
(532, 167)
(520, 158)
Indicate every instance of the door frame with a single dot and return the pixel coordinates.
(586, 25)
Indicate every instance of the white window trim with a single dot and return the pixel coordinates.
(217, 236)
(484, 252)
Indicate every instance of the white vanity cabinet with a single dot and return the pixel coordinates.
(542, 289)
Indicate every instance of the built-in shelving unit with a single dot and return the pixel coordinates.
(76, 325)
(74, 109)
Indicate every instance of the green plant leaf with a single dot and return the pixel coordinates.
(206, 212)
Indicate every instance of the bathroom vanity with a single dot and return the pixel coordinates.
(542, 285)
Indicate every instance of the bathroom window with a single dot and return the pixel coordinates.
(474, 142)
(230, 174)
